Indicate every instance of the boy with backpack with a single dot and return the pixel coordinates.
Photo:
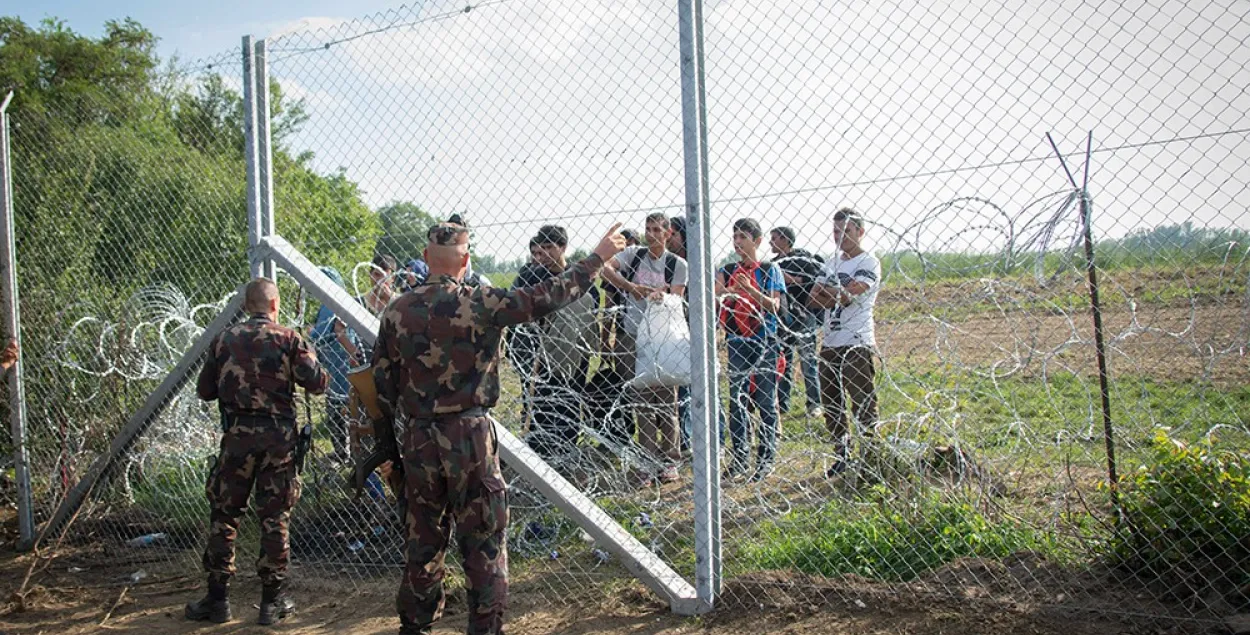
(750, 293)
(801, 326)
(560, 343)
(643, 274)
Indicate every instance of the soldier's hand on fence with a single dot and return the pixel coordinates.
(8, 356)
(611, 244)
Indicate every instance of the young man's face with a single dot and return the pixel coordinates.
(676, 242)
(779, 244)
(657, 233)
(746, 245)
(377, 276)
(847, 235)
(537, 253)
(553, 254)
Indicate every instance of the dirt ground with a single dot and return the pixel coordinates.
(70, 597)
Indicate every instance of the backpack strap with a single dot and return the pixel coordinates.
(629, 272)
(670, 267)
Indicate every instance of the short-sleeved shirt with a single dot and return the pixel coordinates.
(437, 350)
(650, 273)
(254, 367)
(769, 279)
(852, 325)
(331, 354)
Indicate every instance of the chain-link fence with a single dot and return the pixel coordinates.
(128, 202)
(950, 441)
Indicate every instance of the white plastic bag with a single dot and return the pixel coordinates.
(663, 354)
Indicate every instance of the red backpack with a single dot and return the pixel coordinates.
(740, 315)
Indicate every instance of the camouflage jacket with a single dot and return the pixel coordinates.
(253, 368)
(437, 350)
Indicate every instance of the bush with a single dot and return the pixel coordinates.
(1187, 515)
(891, 542)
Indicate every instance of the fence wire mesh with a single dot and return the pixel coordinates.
(983, 473)
(130, 232)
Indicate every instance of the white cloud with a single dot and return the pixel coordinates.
(529, 109)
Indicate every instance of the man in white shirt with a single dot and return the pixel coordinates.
(644, 274)
(848, 288)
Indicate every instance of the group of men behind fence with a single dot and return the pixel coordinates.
(774, 314)
(435, 366)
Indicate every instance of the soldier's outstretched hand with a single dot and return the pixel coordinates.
(611, 244)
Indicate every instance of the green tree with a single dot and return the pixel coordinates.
(51, 68)
(404, 227)
(125, 178)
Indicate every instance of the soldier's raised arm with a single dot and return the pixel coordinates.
(206, 384)
(514, 306)
(305, 369)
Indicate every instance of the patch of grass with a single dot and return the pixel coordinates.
(894, 542)
(502, 280)
(985, 410)
(175, 494)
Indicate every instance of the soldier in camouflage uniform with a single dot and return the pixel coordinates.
(252, 368)
(436, 363)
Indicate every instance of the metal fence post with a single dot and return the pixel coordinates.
(703, 402)
(12, 322)
(264, 154)
(250, 157)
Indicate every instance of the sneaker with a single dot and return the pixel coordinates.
(735, 470)
(838, 467)
(639, 478)
(667, 475)
(761, 472)
(815, 412)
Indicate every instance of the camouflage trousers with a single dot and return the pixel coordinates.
(451, 474)
(256, 454)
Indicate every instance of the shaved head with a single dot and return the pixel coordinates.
(259, 294)
(448, 250)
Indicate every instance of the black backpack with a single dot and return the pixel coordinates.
(670, 266)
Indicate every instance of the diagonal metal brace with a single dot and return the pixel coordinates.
(642, 562)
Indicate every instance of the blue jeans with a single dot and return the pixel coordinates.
(801, 341)
(683, 415)
(758, 359)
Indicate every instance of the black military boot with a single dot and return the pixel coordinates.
(274, 605)
(214, 607)
(408, 627)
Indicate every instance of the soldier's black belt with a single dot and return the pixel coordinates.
(444, 416)
(230, 420)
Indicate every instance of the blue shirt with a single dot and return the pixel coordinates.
(331, 354)
(769, 279)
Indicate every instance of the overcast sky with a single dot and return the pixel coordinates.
(521, 111)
